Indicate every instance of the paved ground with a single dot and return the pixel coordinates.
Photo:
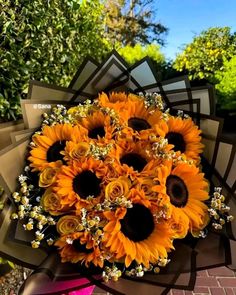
(216, 281)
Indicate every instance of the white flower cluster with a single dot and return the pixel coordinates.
(59, 115)
(219, 210)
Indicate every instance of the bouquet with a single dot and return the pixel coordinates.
(121, 182)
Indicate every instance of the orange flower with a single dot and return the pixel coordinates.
(130, 158)
(79, 247)
(112, 172)
(133, 235)
(115, 100)
(49, 145)
(145, 184)
(52, 203)
(138, 196)
(99, 127)
(187, 190)
(140, 118)
(179, 223)
(117, 188)
(81, 182)
(183, 134)
(159, 202)
(76, 151)
(69, 224)
(47, 176)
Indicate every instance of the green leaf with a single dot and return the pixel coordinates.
(12, 265)
(46, 45)
(206, 53)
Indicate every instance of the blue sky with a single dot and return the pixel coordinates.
(185, 18)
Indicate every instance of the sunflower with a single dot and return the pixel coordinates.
(79, 247)
(138, 117)
(131, 158)
(48, 146)
(187, 190)
(80, 182)
(115, 100)
(99, 127)
(133, 235)
(143, 192)
(79, 146)
(79, 134)
(146, 184)
(112, 172)
(183, 134)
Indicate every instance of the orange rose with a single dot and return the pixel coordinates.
(146, 185)
(69, 224)
(179, 223)
(47, 176)
(51, 203)
(117, 188)
(76, 150)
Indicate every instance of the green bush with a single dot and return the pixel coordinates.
(206, 54)
(133, 54)
(226, 88)
(45, 40)
(8, 110)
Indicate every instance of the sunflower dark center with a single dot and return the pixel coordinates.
(81, 247)
(177, 191)
(134, 160)
(86, 184)
(138, 223)
(138, 124)
(54, 152)
(177, 140)
(97, 131)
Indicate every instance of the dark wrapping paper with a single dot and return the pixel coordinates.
(50, 276)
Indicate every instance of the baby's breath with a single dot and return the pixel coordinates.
(152, 100)
(100, 152)
(111, 273)
(59, 115)
(218, 210)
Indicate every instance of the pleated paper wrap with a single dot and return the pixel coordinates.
(50, 276)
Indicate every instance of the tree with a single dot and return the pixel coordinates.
(45, 40)
(137, 52)
(132, 21)
(226, 88)
(206, 54)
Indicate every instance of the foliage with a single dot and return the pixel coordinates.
(134, 53)
(9, 110)
(168, 72)
(206, 53)
(1, 205)
(132, 21)
(226, 87)
(45, 40)
(4, 261)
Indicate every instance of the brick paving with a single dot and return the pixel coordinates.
(216, 281)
